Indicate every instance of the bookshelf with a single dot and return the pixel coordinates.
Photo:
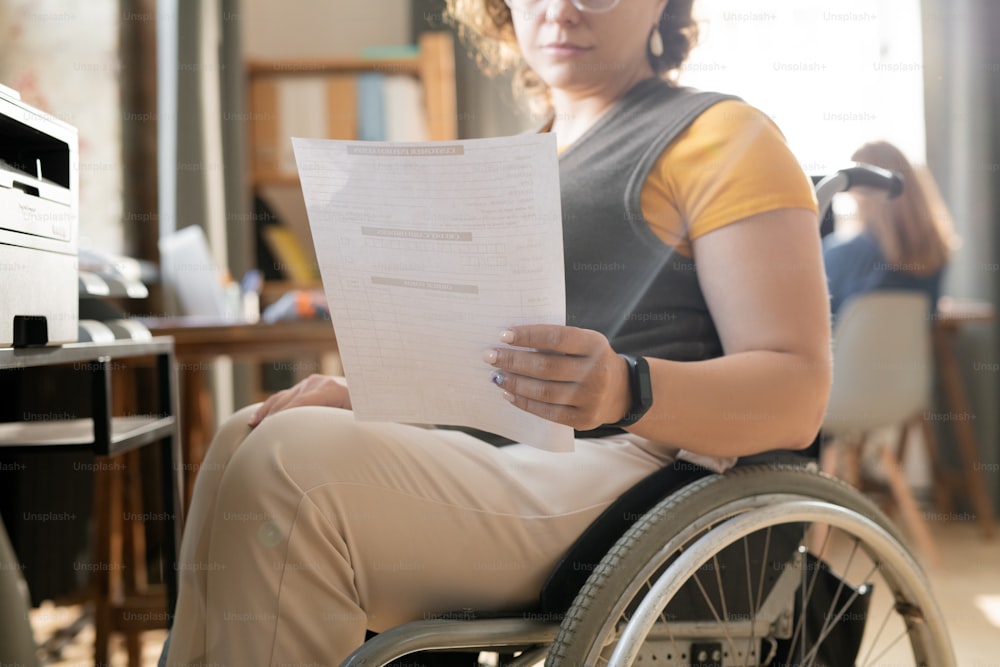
(332, 85)
(320, 98)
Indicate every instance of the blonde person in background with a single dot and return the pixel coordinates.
(698, 257)
(903, 243)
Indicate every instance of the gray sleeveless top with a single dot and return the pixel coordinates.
(621, 279)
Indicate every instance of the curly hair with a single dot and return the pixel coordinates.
(486, 26)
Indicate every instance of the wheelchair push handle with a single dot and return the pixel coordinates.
(859, 175)
(874, 177)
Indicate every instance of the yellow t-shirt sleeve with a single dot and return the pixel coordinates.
(732, 162)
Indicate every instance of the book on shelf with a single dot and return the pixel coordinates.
(397, 52)
(371, 107)
(302, 108)
(342, 106)
(403, 107)
(292, 258)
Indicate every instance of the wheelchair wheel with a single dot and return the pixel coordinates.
(760, 566)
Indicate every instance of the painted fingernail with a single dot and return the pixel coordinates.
(490, 356)
(507, 336)
(497, 379)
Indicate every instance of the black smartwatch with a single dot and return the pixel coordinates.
(641, 387)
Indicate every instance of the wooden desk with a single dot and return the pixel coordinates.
(197, 342)
(953, 314)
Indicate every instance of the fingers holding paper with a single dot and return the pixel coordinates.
(564, 374)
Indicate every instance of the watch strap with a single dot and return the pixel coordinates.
(641, 388)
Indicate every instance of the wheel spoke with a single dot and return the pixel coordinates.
(800, 628)
(750, 602)
(722, 599)
(805, 592)
(841, 582)
(718, 585)
(715, 614)
(763, 567)
(878, 635)
(889, 647)
(831, 620)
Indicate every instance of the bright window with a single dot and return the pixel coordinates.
(831, 75)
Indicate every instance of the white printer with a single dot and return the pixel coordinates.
(39, 222)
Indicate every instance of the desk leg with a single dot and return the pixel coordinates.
(196, 415)
(172, 471)
(965, 435)
(172, 507)
(107, 510)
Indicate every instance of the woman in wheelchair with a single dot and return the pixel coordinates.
(698, 328)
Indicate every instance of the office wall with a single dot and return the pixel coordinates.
(318, 28)
(74, 80)
(962, 80)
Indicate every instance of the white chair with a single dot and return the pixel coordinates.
(882, 376)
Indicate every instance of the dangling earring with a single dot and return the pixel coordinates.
(656, 42)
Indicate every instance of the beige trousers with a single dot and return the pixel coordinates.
(313, 527)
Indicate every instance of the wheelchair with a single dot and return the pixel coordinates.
(771, 563)
(767, 564)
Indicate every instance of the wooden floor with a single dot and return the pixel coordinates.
(967, 586)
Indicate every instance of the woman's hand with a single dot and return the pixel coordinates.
(564, 374)
(314, 390)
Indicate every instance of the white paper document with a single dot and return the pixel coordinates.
(427, 252)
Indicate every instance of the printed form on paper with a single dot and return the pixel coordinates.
(427, 252)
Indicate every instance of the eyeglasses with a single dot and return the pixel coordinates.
(591, 6)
